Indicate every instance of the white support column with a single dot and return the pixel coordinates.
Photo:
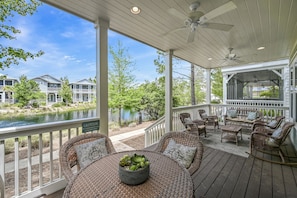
(208, 87)
(102, 74)
(168, 92)
(225, 81)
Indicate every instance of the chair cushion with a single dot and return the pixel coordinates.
(90, 151)
(188, 121)
(276, 134)
(252, 115)
(181, 153)
(272, 124)
(232, 113)
(204, 116)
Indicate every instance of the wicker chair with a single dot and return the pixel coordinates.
(211, 120)
(270, 143)
(187, 140)
(274, 124)
(192, 126)
(68, 157)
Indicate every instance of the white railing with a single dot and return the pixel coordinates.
(32, 168)
(156, 130)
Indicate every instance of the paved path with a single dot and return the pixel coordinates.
(116, 140)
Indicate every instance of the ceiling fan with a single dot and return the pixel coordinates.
(231, 57)
(197, 18)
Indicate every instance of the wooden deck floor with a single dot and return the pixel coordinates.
(226, 175)
(222, 174)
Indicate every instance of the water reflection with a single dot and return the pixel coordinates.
(48, 117)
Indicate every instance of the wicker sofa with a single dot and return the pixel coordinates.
(242, 117)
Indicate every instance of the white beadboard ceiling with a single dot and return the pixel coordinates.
(269, 23)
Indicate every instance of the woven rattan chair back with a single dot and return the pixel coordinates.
(187, 140)
(68, 156)
(266, 142)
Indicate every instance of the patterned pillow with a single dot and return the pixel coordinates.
(272, 124)
(203, 116)
(90, 151)
(182, 154)
(232, 113)
(276, 133)
(252, 115)
(188, 121)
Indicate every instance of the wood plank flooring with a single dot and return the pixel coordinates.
(225, 175)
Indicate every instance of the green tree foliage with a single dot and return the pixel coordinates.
(65, 91)
(217, 83)
(200, 83)
(26, 91)
(10, 55)
(153, 100)
(121, 80)
(272, 92)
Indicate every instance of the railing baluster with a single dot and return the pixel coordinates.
(16, 166)
(60, 144)
(51, 157)
(29, 163)
(40, 160)
(2, 162)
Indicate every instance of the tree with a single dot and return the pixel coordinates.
(272, 92)
(153, 101)
(10, 55)
(217, 83)
(65, 91)
(25, 91)
(121, 80)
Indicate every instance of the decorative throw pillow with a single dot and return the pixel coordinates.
(188, 121)
(204, 116)
(276, 133)
(272, 124)
(90, 151)
(232, 113)
(252, 115)
(182, 154)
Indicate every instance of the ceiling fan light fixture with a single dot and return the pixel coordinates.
(209, 59)
(135, 10)
(261, 48)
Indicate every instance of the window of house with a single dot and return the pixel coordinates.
(8, 82)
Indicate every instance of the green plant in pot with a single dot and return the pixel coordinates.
(134, 169)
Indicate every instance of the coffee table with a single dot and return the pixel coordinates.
(230, 132)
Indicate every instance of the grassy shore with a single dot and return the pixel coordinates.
(10, 111)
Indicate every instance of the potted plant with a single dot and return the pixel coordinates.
(134, 169)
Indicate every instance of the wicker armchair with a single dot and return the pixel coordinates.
(270, 143)
(211, 120)
(192, 126)
(187, 140)
(68, 157)
(274, 124)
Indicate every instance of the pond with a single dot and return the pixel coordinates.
(61, 116)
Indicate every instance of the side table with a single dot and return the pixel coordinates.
(230, 132)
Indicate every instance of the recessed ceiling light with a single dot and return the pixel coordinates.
(209, 59)
(135, 10)
(261, 48)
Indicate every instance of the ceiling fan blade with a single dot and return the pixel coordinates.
(176, 13)
(217, 26)
(217, 12)
(191, 37)
(175, 30)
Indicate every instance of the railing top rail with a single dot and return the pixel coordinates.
(11, 132)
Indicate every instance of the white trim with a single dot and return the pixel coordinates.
(256, 67)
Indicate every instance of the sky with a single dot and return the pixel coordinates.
(69, 44)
